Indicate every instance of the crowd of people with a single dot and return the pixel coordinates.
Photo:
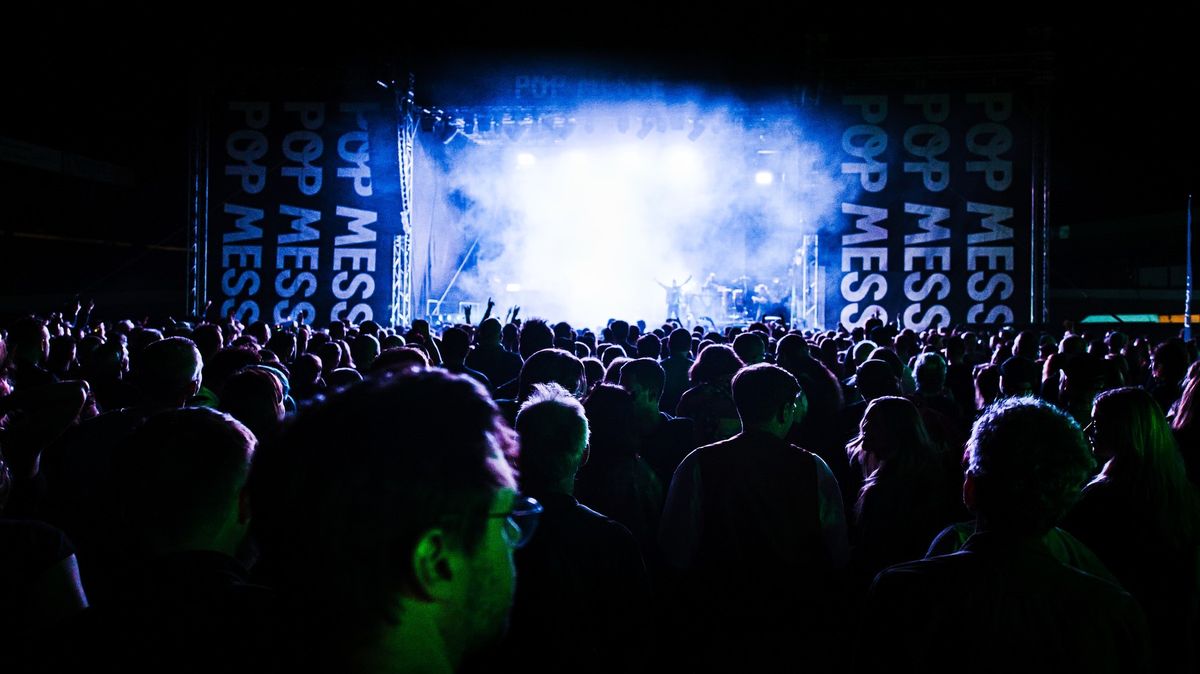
(191, 495)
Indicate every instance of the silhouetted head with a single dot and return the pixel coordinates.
(1019, 377)
(284, 346)
(680, 342)
(364, 349)
(1028, 462)
(649, 346)
(609, 409)
(389, 535)
(169, 372)
(930, 373)
(535, 336)
(554, 439)
(28, 341)
(456, 343)
(750, 347)
(489, 332)
(891, 430)
(620, 331)
(876, 378)
(765, 394)
(551, 366)
(183, 475)
(254, 397)
(716, 364)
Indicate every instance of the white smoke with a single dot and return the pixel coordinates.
(587, 225)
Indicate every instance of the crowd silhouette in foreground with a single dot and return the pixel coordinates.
(209, 495)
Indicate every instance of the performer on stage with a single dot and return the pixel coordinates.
(759, 299)
(673, 295)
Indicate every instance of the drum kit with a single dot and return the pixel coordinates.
(735, 300)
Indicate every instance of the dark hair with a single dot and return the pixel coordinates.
(1147, 459)
(619, 330)
(342, 377)
(609, 409)
(455, 344)
(987, 384)
(1029, 462)
(610, 352)
(255, 398)
(283, 343)
(551, 365)
(364, 349)
(644, 373)
(535, 335)
(306, 371)
(208, 339)
(649, 346)
(875, 378)
(554, 432)
(24, 334)
(168, 368)
(891, 358)
(1169, 361)
(338, 520)
(790, 348)
(331, 355)
(748, 344)
(679, 341)
(593, 369)
(1189, 407)
(562, 330)
(899, 442)
(761, 390)
(224, 363)
(716, 364)
(183, 470)
(400, 358)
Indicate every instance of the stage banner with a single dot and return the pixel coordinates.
(934, 226)
(304, 206)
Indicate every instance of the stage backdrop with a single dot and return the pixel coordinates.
(940, 229)
(304, 205)
(931, 197)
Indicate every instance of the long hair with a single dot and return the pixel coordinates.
(1186, 411)
(715, 365)
(894, 436)
(1147, 460)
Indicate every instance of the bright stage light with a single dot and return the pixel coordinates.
(591, 225)
(628, 158)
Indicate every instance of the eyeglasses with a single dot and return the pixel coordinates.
(520, 522)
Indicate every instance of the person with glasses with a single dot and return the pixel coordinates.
(583, 600)
(387, 519)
